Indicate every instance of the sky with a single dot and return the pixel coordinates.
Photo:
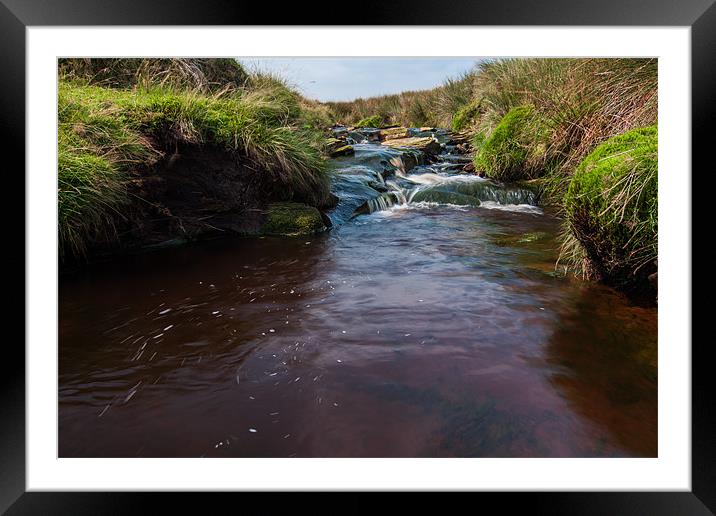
(346, 78)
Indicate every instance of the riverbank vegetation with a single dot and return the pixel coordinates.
(132, 131)
(558, 121)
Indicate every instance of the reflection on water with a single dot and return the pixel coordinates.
(419, 331)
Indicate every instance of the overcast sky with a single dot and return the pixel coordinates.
(346, 78)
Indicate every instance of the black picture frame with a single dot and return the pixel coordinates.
(17, 15)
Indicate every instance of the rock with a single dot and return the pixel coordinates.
(460, 138)
(290, 218)
(330, 202)
(393, 133)
(653, 279)
(427, 145)
(427, 129)
(334, 143)
(469, 167)
(346, 150)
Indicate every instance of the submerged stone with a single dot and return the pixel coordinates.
(290, 218)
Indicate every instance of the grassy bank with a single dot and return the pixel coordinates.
(122, 120)
(546, 119)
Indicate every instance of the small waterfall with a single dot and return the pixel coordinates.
(398, 191)
(380, 203)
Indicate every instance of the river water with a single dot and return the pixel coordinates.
(422, 329)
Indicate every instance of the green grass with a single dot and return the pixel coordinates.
(106, 134)
(612, 208)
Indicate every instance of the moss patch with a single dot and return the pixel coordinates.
(290, 218)
(612, 206)
(371, 121)
(506, 153)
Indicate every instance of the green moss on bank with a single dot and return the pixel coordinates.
(289, 218)
(612, 209)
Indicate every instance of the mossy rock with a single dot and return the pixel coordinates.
(345, 150)
(504, 154)
(290, 218)
(612, 206)
(371, 121)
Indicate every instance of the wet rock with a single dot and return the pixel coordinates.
(460, 139)
(427, 145)
(346, 150)
(339, 131)
(444, 196)
(290, 218)
(381, 202)
(331, 202)
(469, 167)
(393, 133)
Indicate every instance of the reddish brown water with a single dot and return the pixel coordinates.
(418, 332)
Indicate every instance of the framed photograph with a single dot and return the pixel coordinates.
(268, 253)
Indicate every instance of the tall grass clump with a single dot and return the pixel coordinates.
(107, 135)
(611, 209)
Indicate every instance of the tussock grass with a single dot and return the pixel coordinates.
(612, 208)
(202, 75)
(106, 134)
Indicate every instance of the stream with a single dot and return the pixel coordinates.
(428, 322)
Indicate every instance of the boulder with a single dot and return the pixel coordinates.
(427, 145)
(469, 167)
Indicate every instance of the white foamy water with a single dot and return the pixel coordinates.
(520, 208)
(429, 178)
